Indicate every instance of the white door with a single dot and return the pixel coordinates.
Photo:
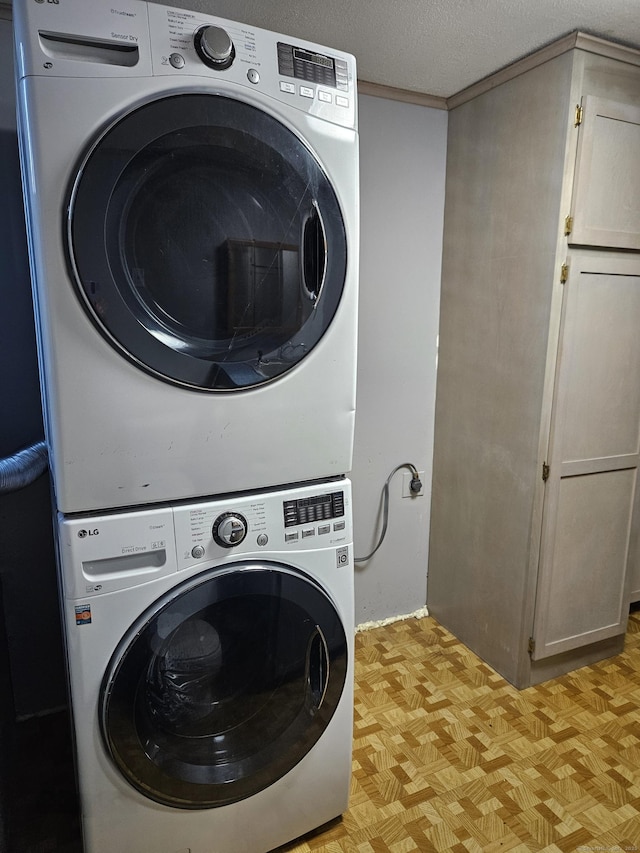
(206, 242)
(223, 685)
(589, 538)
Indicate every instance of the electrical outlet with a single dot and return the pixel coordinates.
(406, 485)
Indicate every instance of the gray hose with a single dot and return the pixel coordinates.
(23, 468)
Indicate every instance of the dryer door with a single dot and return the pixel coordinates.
(224, 685)
(206, 242)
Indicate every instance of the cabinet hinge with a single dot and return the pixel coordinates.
(568, 226)
(545, 471)
(532, 646)
(579, 116)
(564, 273)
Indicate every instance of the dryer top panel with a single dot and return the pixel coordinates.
(130, 38)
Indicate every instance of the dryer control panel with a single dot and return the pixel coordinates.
(136, 39)
(306, 76)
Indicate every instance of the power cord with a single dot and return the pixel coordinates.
(415, 486)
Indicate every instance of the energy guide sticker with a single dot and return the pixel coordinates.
(83, 614)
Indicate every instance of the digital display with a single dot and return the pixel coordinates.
(319, 508)
(312, 67)
(316, 58)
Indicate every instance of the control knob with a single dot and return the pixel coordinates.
(214, 47)
(229, 529)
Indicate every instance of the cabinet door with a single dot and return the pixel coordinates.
(589, 537)
(606, 192)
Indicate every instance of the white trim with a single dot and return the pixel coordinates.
(595, 44)
(367, 626)
(407, 96)
(520, 66)
(581, 41)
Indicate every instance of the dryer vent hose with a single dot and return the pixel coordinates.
(23, 468)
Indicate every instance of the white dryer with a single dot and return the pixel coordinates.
(210, 653)
(191, 187)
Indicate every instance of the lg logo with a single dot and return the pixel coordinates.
(82, 534)
(53, 2)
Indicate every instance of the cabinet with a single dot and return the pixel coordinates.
(590, 516)
(534, 530)
(605, 209)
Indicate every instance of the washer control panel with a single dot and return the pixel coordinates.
(303, 518)
(121, 550)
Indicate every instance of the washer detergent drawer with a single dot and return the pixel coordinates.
(112, 552)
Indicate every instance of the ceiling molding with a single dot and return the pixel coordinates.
(611, 49)
(521, 66)
(407, 96)
(581, 41)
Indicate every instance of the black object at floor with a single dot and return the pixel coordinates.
(7, 717)
(44, 811)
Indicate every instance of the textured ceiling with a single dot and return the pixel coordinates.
(437, 47)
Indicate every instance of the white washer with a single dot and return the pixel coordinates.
(210, 653)
(191, 187)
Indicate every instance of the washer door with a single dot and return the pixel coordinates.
(224, 685)
(207, 242)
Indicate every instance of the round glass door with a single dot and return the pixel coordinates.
(206, 242)
(224, 685)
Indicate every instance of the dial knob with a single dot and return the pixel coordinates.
(229, 529)
(214, 47)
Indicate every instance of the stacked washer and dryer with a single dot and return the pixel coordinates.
(192, 205)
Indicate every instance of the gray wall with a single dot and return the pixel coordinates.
(402, 201)
(402, 170)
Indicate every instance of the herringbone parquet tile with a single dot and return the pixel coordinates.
(450, 757)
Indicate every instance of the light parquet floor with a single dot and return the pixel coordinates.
(450, 757)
